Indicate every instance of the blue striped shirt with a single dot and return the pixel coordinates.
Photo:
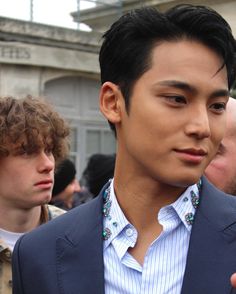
(165, 260)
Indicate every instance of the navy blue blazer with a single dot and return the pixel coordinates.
(65, 256)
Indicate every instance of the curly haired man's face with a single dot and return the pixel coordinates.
(26, 180)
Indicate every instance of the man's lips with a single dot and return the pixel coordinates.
(192, 151)
(44, 184)
(192, 155)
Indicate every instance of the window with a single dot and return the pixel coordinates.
(100, 141)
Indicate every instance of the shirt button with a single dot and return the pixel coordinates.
(129, 232)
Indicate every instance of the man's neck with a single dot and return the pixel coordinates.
(141, 199)
(20, 220)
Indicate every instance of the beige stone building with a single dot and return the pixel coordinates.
(62, 65)
(100, 17)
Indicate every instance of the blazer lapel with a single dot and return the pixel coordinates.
(80, 252)
(212, 250)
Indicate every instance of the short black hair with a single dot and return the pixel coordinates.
(125, 54)
(99, 170)
(64, 175)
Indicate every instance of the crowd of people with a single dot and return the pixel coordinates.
(159, 216)
(68, 192)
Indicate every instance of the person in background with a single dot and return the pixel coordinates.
(222, 169)
(159, 226)
(33, 137)
(99, 170)
(65, 185)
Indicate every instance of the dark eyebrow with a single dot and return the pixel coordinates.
(186, 87)
(179, 85)
(220, 93)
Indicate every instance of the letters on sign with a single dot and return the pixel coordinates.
(14, 52)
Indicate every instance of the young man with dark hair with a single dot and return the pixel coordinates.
(32, 137)
(159, 226)
(65, 185)
(99, 169)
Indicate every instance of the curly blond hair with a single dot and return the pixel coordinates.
(30, 124)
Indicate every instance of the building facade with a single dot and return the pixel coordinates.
(62, 66)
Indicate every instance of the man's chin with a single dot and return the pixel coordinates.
(188, 181)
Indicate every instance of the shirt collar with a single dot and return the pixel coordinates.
(184, 207)
(115, 221)
(5, 252)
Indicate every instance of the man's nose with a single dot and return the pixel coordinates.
(46, 162)
(199, 125)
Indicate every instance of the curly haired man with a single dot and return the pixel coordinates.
(33, 138)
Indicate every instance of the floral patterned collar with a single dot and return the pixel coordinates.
(185, 206)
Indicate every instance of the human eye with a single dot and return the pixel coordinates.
(218, 107)
(176, 100)
(26, 153)
(21, 151)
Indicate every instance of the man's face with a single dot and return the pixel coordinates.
(26, 180)
(177, 115)
(222, 170)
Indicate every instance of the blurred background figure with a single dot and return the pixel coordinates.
(65, 185)
(99, 170)
(222, 169)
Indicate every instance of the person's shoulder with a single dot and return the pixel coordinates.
(218, 201)
(70, 223)
(212, 190)
(66, 220)
(216, 208)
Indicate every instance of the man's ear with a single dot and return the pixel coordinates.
(111, 101)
